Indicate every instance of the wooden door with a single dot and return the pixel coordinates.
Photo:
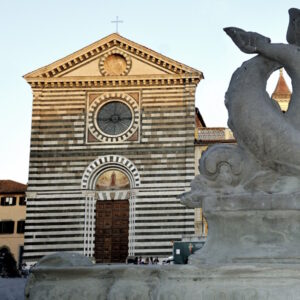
(111, 237)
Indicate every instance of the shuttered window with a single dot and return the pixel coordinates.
(7, 227)
(8, 201)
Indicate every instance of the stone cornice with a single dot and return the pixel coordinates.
(113, 81)
(114, 40)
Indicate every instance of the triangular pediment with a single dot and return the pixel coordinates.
(137, 66)
(109, 56)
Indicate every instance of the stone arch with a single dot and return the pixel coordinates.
(106, 162)
(89, 178)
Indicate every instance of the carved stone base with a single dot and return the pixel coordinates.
(256, 229)
(176, 282)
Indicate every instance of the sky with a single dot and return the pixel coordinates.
(35, 33)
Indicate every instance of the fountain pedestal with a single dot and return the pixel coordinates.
(251, 229)
(176, 282)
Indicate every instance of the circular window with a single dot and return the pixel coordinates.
(114, 118)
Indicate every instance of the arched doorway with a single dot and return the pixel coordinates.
(112, 217)
(104, 193)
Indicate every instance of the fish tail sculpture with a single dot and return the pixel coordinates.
(266, 159)
(256, 120)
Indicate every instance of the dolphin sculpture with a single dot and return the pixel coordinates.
(266, 159)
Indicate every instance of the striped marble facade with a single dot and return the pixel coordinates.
(65, 162)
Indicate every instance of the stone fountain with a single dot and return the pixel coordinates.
(250, 195)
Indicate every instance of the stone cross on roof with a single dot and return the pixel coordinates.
(117, 21)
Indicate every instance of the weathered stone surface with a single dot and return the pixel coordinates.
(64, 259)
(246, 236)
(116, 282)
(256, 228)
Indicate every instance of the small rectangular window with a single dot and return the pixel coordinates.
(21, 227)
(22, 201)
(8, 201)
(7, 227)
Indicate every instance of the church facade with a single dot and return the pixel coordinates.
(112, 147)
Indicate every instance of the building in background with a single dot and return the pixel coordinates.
(12, 217)
(282, 93)
(112, 147)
